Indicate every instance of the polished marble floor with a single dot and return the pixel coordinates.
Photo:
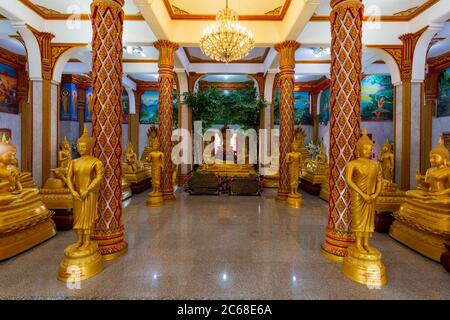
(222, 247)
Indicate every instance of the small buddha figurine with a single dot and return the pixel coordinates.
(131, 164)
(64, 158)
(156, 158)
(84, 176)
(152, 135)
(363, 176)
(294, 161)
(386, 159)
(435, 185)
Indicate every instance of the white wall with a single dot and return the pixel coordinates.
(439, 126)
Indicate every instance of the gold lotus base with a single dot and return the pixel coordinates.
(324, 195)
(155, 199)
(426, 243)
(271, 181)
(390, 198)
(294, 201)
(138, 176)
(364, 268)
(57, 199)
(80, 265)
(314, 177)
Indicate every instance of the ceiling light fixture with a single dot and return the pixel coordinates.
(227, 40)
(134, 50)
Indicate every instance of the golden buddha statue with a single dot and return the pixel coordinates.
(24, 219)
(26, 180)
(363, 176)
(314, 172)
(294, 161)
(391, 198)
(134, 171)
(156, 158)
(299, 137)
(84, 176)
(55, 192)
(423, 221)
(152, 135)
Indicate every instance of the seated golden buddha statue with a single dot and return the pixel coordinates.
(24, 219)
(391, 197)
(423, 221)
(55, 193)
(299, 138)
(134, 171)
(315, 170)
(26, 180)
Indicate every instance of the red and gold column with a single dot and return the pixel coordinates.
(107, 27)
(165, 111)
(286, 50)
(346, 32)
(81, 104)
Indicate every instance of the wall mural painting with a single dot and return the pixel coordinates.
(324, 107)
(69, 109)
(377, 96)
(125, 106)
(8, 87)
(302, 111)
(443, 105)
(89, 108)
(149, 108)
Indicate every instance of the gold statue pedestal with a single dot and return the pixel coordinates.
(24, 225)
(57, 197)
(139, 181)
(364, 268)
(423, 226)
(324, 191)
(155, 199)
(126, 190)
(388, 202)
(80, 264)
(294, 201)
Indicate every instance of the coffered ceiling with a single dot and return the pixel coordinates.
(195, 55)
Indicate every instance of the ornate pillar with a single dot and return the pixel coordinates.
(107, 27)
(165, 111)
(346, 32)
(81, 104)
(286, 50)
(409, 118)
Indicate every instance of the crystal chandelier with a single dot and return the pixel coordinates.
(227, 40)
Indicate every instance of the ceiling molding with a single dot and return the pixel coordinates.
(439, 62)
(408, 14)
(312, 86)
(193, 59)
(258, 17)
(49, 14)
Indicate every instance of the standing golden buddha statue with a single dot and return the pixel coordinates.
(294, 162)
(84, 176)
(134, 171)
(363, 176)
(55, 193)
(391, 198)
(423, 221)
(24, 219)
(156, 158)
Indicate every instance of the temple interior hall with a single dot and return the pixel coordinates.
(240, 149)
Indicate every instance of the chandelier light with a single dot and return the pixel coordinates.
(226, 40)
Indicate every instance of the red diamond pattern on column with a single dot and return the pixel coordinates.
(286, 50)
(107, 26)
(346, 33)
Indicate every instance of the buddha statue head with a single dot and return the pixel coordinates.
(155, 145)
(439, 155)
(295, 146)
(85, 143)
(364, 146)
(7, 152)
(65, 145)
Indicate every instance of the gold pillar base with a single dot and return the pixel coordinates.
(111, 245)
(155, 199)
(294, 201)
(80, 265)
(364, 268)
(336, 243)
(282, 195)
(426, 243)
